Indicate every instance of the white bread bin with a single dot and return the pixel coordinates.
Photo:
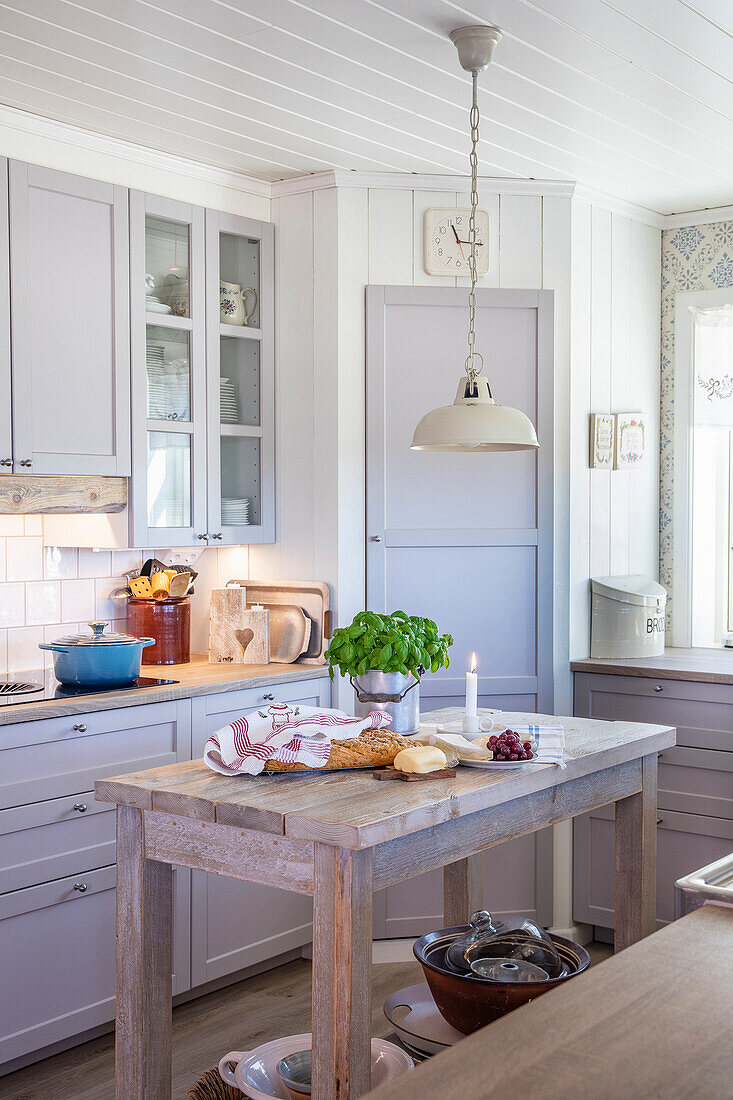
(627, 617)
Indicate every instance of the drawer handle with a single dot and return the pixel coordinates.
(80, 807)
(269, 696)
(80, 728)
(658, 687)
(80, 887)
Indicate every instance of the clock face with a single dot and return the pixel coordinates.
(446, 241)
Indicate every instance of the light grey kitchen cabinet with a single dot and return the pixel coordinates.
(57, 874)
(70, 323)
(6, 431)
(236, 924)
(695, 795)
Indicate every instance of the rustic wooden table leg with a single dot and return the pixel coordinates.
(636, 860)
(342, 973)
(462, 890)
(144, 963)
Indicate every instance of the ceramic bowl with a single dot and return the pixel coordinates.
(468, 1002)
(255, 1073)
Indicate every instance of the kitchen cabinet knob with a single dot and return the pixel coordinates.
(269, 696)
(80, 807)
(658, 687)
(6, 462)
(376, 538)
(80, 728)
(26, 461)
(660, 820)
(80, 887)
(204, 536)
(217, 536)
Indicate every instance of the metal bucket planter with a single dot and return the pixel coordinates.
(391, 693)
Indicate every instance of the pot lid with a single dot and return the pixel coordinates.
(97, 637)
(636, 589)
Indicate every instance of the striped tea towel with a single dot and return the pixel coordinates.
(549, 742)
(284, 732)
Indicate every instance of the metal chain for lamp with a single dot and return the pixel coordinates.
(472, 370)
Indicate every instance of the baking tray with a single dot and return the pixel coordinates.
(313, 596)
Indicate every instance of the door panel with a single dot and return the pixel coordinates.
(70, 331)
(6, 440)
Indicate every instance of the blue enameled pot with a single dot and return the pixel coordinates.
(97, 659)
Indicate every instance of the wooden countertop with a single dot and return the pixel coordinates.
(197, 677)
(653, 1021)
(708, 666)
(350, 810)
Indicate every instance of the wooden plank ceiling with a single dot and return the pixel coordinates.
(630, 98)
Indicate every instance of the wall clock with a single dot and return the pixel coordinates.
(446, 247)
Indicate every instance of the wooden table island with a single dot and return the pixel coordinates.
(653, 1022)
(339, 837)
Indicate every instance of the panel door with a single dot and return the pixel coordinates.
(465, 539)
(6, 434)
(169, 372)
(241, 379)
(57, 945)
(239, 924)
(70, 323)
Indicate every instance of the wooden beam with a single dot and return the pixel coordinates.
(636, 860)
(144, 964)
(414, 854)
(462, 890)
(34, 494)
(226, 850)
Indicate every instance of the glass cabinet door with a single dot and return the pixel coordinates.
(239, 261)
(169, 372)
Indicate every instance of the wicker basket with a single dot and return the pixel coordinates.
(211, 1087)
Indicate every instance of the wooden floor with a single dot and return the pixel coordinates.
(237, 1018)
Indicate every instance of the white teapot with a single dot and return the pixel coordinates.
(232, 303)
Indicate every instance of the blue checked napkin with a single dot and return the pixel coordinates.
(549, 742)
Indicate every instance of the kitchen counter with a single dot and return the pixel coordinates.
(197, 677)
(709, 666)
(631, 1026)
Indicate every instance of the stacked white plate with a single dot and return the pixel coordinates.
(168, 395)
(235, 510)
(229, 410)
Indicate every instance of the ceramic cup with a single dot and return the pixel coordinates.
(476, 725)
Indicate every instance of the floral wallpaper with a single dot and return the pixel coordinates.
(694, 257)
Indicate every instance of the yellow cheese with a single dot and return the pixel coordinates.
(420, 759)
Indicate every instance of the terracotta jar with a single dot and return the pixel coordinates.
(169, 622)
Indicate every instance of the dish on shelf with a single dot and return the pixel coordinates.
(421, 1029)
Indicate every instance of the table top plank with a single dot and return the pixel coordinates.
(631, 1026)
(348, 808)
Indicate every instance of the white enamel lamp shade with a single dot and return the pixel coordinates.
(474, 422)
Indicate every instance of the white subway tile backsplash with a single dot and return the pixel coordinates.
(124, 560)
(106, 608)
(24, 558)
(12, 605)
(78, 600)
(42, 602)
(94, 563)
(3, 651)
(23, 651)
(2, 558)
(59, 562)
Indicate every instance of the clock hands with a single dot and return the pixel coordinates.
(458, 241)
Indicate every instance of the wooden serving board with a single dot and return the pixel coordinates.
(413, 777)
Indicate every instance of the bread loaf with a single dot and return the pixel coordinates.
(371, 749)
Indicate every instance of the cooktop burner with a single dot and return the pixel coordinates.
(40, 685)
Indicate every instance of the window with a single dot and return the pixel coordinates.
(703, 523)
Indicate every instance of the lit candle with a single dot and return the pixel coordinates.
(470, 721)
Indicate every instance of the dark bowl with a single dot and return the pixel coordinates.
(469, 1003)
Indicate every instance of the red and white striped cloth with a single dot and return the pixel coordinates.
(283, 732)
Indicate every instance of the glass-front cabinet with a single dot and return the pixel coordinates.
(203, 376)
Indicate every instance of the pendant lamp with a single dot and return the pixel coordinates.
(474, 422)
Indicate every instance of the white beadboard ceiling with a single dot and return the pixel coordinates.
(633, 98)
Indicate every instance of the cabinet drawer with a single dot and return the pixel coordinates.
(684, 842)
(55, 757)
(49, 840)
(696, 781)
(57, 947)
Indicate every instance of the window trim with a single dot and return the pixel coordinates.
(684, 375)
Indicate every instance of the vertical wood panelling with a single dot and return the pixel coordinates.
(491, 204)
(621, 390)
(390, 236)
(521, 241)
(580, 407)
(600, 388)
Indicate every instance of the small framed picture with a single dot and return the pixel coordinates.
(630, 446)
(602, 433)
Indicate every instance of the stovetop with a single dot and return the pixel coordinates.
(46, 687)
